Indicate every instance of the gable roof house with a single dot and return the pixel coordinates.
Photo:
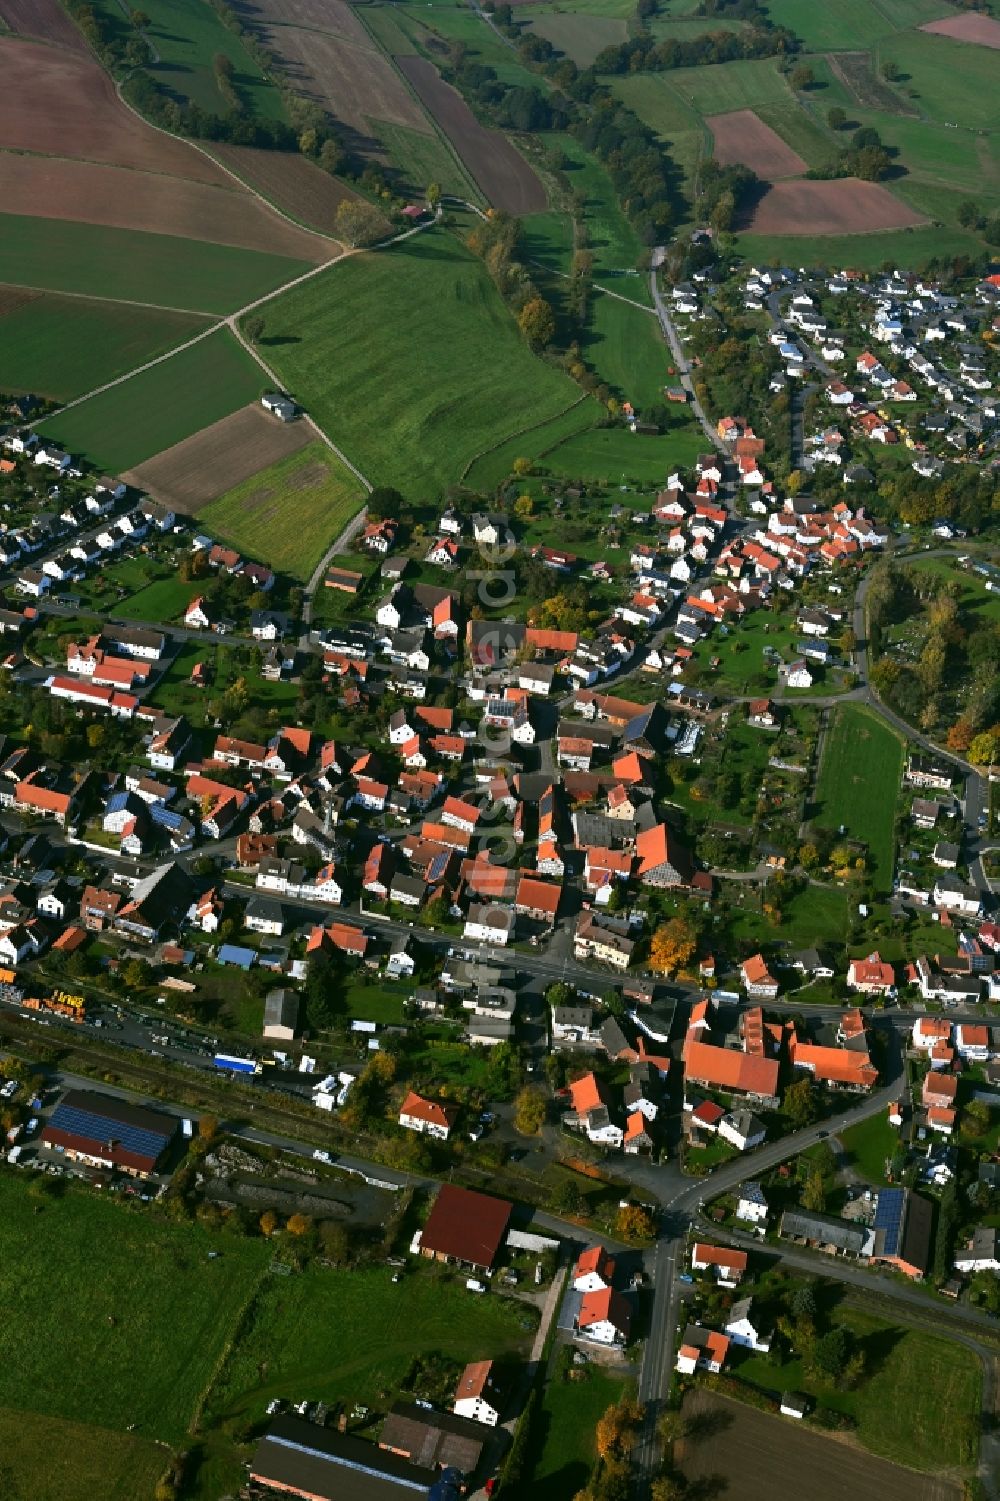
(429, 1117)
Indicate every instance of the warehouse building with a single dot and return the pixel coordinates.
(101, 1131)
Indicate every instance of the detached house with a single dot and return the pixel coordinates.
(429, 1117)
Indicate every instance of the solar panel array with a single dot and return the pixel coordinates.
(86, 1123)
(889, 1218)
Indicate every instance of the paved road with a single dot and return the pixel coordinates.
(681, 362)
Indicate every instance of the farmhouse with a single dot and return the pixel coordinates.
(433, 1439)
(902, 1231)
(107, 1133)
(465, 1227)
(824, 1232)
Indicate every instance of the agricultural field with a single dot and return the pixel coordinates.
(59, 347)
(121, 198)
(912, 1379)
(845, 207)
(121, 427)
(847, 25)
(858, 783)
(183, 275)
(758, 1456)
(495, 465)
(978, 31)
(187, 35)
(494, 163)
(868, 252)
(949, 81)
(59, 104)
(44, 20)
(741, 137)
(713, 90)
(103, 1345)
(380, 1329)
(324, 48)
(388, 357)
(581, 37)
(291, 182)
(289, 513)
(219, 457)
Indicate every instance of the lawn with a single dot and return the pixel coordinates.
(915, 1378)
(188, 35)
(92, 1290)
(375, 1003)
(49, 1458)
(165, 599)
(61, 256)
(59, 347)
(175, 694)
(353, 1335)
(858, 784)
(815, 915)
(131, 422)
(869, 1144)
(409, 359)
(561, 1447)
(290, 513)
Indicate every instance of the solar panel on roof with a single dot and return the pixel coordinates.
(889, 1218)
(143, 1142)
(165, 817)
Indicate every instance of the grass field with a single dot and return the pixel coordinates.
(290, 513)
(714, 90)
(979, 605)
(610, 238)
(858, 783)
(869, 1144)
(561, 1446)
(952, 81)
(494, 467)
(625, 346)
(424, 158)
(410, 360)
(844, 25)
(616, 455)
(187, 35)
(62, 256)
(131, 422)
(548, 239)
(581, 37)
(59, 347)
(91, 1292)
(906, 247)
(915, 1378)
(352, 1335)
(49, 1458)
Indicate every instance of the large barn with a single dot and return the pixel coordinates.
(108, 1133)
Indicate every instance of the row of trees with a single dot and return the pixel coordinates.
(645, 54)
(497, 241)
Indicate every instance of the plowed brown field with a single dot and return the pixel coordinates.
(746, 1455)
(500, 170)
(981, 30)
(296, 185)
(45, 187)
(844, 207)
(209, 463)
(62, 105)
(742, 139)
(315, 15)
(44, 19)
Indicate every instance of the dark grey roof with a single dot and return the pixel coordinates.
(827, 1229)
(318, 1462)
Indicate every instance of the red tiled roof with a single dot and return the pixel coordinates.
(725, 1068)
(466, 1226)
